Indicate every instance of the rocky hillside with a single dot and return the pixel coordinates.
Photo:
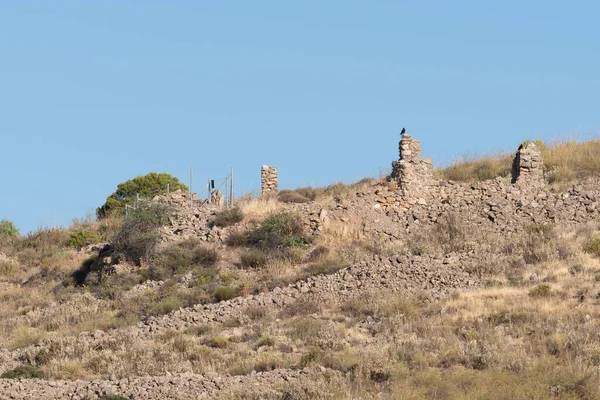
(407, 287)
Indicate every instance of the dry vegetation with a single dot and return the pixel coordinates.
(531, 333)
(565, 161)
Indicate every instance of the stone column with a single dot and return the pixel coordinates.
(528, 165)
(413, 174)
(270, 181)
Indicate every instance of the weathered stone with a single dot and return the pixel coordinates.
(269, 180)
(413, 174)
(528, 166)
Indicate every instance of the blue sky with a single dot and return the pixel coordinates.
(95, 93)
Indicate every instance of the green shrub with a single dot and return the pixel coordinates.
(542, 290)
(137, 238)
(145, 186)
(228, 217)
(254, 258)
(82, 238)
(291, 196)
(180, 258)
(279, 231)
(8, 229)
(593, 246)
(23, 372)
(223, 293)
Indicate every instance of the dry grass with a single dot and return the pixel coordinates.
(564, 161)
(257, 209)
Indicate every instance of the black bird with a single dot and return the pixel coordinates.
(403, 131)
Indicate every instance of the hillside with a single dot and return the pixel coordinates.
(480, 281)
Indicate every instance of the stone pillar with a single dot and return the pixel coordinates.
(528, 165)
(413, 174)
(270, 182)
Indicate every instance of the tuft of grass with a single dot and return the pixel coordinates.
(254, 258)
(292, 196)
(228, 217)
(539, 291)
(23, 372)
(279, 231)
(218, 342)
(593, 246)
(223, 293)
(326, 265)
(180, 258)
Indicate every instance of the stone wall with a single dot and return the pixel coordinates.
(185, 222)
(528, 166)
(270, 182)
(413, 173)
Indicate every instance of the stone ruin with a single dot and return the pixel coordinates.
(269, 180)
(216, 198)
(412, 173)
(528, 166)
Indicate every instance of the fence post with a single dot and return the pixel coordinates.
(227, 192)
(231, 191)
(191, 181)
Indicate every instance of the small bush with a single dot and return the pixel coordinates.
(139, 233)
(327, 265)
(180, 258)
(254, 258)
(218, 342)
(279, 231)
(228, 217)
(8, 229)
(593, 246)
(223, 293)
(291, 196)
(23, 372)
(307, 192)
(237, 238)
(540, 291)
(83, 238)
(265, 340)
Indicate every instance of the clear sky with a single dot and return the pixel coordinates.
(96, 93)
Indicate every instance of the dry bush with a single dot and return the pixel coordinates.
(478, 168)
(450, 234)
(228, 217)
(593, 246)
(254, 258)
(291, 196)
(279, 231)
(181, 257)
(257, 209)
(326, 264)
(137, 238)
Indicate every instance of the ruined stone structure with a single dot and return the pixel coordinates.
(270, 185)
(413, 174)
(528, 166)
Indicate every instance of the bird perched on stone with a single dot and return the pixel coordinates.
(403, 131)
